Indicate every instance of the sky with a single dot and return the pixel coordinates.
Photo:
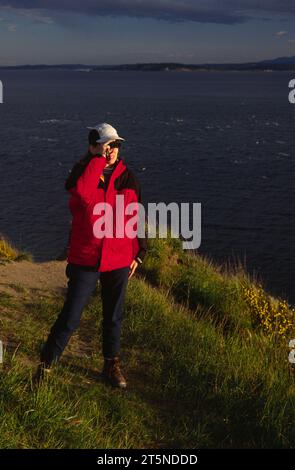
(107, 32)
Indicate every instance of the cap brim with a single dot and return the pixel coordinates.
(109, 140)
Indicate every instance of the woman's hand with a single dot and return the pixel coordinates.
(133, 267)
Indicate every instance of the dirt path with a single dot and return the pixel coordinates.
(49, 276)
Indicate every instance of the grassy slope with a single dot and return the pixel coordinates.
(201, 372)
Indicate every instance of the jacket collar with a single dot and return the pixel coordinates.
(118, 170)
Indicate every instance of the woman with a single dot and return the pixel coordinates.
(98, 178)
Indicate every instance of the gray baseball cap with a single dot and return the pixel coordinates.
(106, 133)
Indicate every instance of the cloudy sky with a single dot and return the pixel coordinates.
(129, 31)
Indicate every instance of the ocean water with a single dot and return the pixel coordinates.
(225, 140)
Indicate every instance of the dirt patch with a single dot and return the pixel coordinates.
(17, 276)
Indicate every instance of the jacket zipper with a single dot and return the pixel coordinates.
(105, 198)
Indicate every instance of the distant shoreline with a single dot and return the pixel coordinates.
(277, 65)
(16, 69)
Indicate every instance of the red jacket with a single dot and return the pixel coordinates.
(85, 248)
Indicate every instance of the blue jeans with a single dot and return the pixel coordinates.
(82, 281)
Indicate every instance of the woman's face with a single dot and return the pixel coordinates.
(111, 154)
(105, 149)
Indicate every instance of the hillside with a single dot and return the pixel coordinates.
(204, 350)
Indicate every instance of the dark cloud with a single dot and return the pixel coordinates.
(203, 11)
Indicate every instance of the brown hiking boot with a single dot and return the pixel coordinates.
(112, 373)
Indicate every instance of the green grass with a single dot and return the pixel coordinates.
(200, 372)
(205, 288)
